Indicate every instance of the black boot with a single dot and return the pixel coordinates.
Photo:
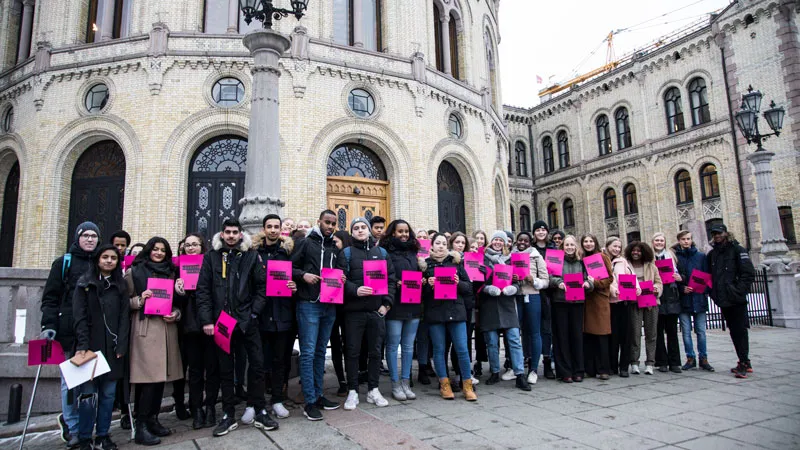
(181, 411)
(548, 369)
(199, 419)
(522, 383)
(211, 417)
(125, 422)
(143, 435)
(156, 428)
(422, 377)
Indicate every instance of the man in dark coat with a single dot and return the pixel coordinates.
(57, 316)
(732, 274)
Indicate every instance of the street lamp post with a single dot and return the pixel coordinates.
(262, 187)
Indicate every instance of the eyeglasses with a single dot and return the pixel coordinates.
(89, 236)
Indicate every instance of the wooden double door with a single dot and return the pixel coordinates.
(351, 197)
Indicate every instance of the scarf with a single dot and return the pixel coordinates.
(149, 269)
(494, 256)
(396, 245)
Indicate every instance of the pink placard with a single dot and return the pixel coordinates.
(555, 261)
(472, 263)
(127, 261)
(595, 266)
(160, 304)
(376, 276)
(45, 352)
(445, 286)
(411, 289)
(574, 284)
(698, 281)
(175, 260)
(190, 270)
(424, 248)
(482, 251)
(331, 288)
(666, 269)
(223, 331)
(279, 274)
(627, 287)
(502, 275)
(648, 297)
(521, 262)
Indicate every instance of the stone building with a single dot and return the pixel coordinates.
(135, 114)
(652, 145)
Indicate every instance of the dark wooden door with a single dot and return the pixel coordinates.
(451, 199)
(8, 230)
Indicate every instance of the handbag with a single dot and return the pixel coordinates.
(87, 356)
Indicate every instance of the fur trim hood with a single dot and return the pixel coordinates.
(245, 244)
(287, 243)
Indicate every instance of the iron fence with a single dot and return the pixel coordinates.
(759, 306)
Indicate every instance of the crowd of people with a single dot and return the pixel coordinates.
(91, 304)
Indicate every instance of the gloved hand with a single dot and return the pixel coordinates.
(48, 334)
(540, 284)
(494, 291)
(510, 290)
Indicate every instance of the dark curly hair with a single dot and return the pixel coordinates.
(647, 252)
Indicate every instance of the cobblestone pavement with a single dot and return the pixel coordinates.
(692, 410)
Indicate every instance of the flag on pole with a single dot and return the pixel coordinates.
(538, 79)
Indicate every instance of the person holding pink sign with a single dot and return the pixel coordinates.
(541, 243)
(640, 256)
(529, 304)
(597, 313)
(668, 353)
(620, 340)
(481, 355)
(155, 356)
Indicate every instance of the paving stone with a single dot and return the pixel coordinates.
(787, 424)
(427, 428)
(617, 440)
(702, 422)
(463, 441)
(516, 435)
(610, 418)
(604, 399)
(568, 427)
(716, 443)
(663, 431)
(477, 420)
(765, 437)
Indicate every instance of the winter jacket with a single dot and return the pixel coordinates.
(500, 312)
(650, 273)
(233, 280)
(691, 259)
(597, 315)
(404, 260)
(732, 274)
(573, 265)
(620, 266)
(310, 255)
(538, 270)
(670, 301)
(443, 311)
(57, 295)
(102, 320)
(353, 270)
(278, 313)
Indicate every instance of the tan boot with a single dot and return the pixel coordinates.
(445, 389)
(469, 391)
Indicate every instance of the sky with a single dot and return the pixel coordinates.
(555, 39)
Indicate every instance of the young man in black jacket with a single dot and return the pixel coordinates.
(732, 274)
(232, 279)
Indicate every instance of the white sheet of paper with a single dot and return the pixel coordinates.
(75, 376)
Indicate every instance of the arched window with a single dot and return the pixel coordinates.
(709, 182)
(610, 203)
(623, 128)
(491, 65)
(519, 156)
(524, 218)
(552, 215)
(513, 220)
(120, 19)
(631, 202)
(603, 135)
(353, 160)
(547, 154)
(451, 198)
(563, 150)
(569, 213)
(437, 37)
(683, 187)
(453, 31)
(364, 31)
(8, 228)
(674, 110)
(698, 101)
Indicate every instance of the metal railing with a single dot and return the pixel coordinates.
(759, 306)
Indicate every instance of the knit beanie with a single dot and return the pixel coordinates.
(540, 224)
(86, 226)
(498, 234)
(362, 220)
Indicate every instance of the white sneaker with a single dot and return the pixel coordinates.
(280, 411)
(648, 370)
(249, 415)
(374, 396)
(533, 378)
(410, 395)
(352, 401)
(635, 369)
(508, 375)
(475, 381)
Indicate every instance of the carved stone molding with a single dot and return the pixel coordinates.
(631, 222)
(712, 209)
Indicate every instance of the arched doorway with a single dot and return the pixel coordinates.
(216, 183)
(451, 199)
(8, 228)
(98, 189)
(357, 184)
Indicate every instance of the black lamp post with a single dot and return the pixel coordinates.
(747, 118)
(264, 11)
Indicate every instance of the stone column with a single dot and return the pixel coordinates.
(233, 17)
(358, 23)
(445, 28)
(107, 23)
(262, 187)
(773, 244)
(24, 50)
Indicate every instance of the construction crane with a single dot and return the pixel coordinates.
(610, 64)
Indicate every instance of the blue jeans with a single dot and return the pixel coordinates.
(70, 410)
(699, 330)
(514, 347)
(400, 333)
(458, 334)
(95, 405)
(314, 324)
(529, 310)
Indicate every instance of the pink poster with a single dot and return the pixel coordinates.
(331, 288)
(45, 351)
(648, 297)
(160, 304)
(482, 251)
(411, 290)
(699, 280)
(445, 286)
(627, 287)
(279, 274)
(223, 331)
(127, 261)
(175, 260)
(555, 261)
(502, 275)
(666, 270)
(424, 248)
(190, 270)
(574, 284)
(595, 266)
(472, 263)
(376, 276)
(522, 264)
